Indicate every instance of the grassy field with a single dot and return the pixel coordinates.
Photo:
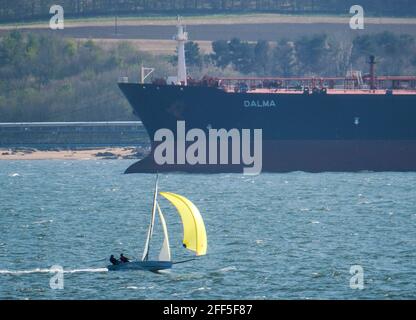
(158, 47)
(211, 20)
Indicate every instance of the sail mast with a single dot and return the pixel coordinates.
(152, 223)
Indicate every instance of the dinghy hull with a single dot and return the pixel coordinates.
(142, 265)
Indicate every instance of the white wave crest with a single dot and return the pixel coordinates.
(48, 270)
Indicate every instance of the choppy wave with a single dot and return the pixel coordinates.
(43, 221)
(227, 269)
(264, 238)
(14, 175)
(50, 270)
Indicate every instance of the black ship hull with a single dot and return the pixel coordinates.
(301, 132)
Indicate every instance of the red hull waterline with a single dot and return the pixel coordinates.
(310, 156)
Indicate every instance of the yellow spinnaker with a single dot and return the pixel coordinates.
(194, 234)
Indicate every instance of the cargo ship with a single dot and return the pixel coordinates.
(360, 122)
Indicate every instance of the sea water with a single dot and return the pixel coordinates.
(272, 236)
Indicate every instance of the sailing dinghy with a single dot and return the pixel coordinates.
(194, 234)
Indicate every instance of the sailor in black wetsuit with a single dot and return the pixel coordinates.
(113, 260)
(123, 259)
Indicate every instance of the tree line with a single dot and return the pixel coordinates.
(44, 78)
(34, 9)
(317, 55)
(48, 78)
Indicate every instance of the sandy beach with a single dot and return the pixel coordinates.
(82, 154)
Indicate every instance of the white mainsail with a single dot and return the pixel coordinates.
(164, 254)
(152, 224)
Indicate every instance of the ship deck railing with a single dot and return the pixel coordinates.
(326, 91)
(334, 85)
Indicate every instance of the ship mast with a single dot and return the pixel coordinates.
(372, 63)
(181, 37)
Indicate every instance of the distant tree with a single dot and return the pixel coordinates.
(285, 62)
(242, 55)
(262, 57)
(313, 53)
(392, 52)
(193, 54)
(221, 53)
(12, 54)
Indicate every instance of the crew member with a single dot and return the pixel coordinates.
(123, 258)
(113, 260)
